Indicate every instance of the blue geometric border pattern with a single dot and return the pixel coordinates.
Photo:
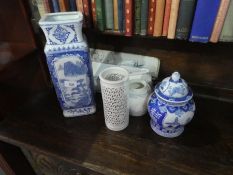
(61, 34)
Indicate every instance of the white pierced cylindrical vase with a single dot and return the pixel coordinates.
(114, 89)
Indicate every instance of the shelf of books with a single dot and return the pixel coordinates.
(191, 20)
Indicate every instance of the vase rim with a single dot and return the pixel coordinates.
(114, 70)
(61, 18)
(138, 86)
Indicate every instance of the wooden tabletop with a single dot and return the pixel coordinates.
(33, 119)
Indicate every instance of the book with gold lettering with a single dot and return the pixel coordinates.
(204, 19)
(185, 18)
(128, 18)
(151, 17)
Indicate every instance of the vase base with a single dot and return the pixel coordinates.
(79, 111)
(166, 134)
(114, 128)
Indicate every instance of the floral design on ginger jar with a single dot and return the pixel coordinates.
(171, 106)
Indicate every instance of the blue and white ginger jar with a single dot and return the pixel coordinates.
(69, 62)
(171, 106)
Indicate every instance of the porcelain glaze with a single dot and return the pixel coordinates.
(114, 90)
(139, 91)
(171, 106)
(69, 63)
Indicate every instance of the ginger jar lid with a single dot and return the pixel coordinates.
(173, 89)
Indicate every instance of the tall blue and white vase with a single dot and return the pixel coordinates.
(171, 106)
(69, 62)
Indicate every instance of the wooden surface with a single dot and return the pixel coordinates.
(33, 120)
(43, 164)
(13, 162)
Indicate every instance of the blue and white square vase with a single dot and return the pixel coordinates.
(69, 62)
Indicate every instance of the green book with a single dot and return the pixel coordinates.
(137, 22)
(144, 16)
(227, 30)
(100, 16)
(108, 4)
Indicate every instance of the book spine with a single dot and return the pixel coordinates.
(120, 14)
(63, 4)
(87, 14)
(128, 18)
(115, 15)
(222, 11)
(204, 19)
(35, 12)
(72, 5)
(108, 5)
(56, 7)
(93, 10)
(137, 17)
(41, 7)
(47, 6)
(79, 4)
(166, 17)
(144, 16)
(100, 16)
(51, 6)
(227, 30)
(123, 20)
(173, 19)
(184, 21)
(159, 14)
(151, 17)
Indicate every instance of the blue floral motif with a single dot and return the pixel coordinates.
(159, 110)
(174, 124)
(61, 34)
(171, 92)
(81, 90)
(177, 90)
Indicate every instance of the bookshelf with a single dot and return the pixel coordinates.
(34, 122)
(16, 36)
(206, 65)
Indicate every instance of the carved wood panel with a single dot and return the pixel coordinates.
(46, 165)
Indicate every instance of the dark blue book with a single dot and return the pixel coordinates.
(56, 7)
(120, 14)
(72, 4)
(204, 19)
(144, 16)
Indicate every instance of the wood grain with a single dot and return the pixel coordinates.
(37, 124)
(48, 165)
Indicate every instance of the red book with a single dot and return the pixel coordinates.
(47, 6)
(86, 10)
(151, 17)
(128, 17)
(93, 9)
(166, 17)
